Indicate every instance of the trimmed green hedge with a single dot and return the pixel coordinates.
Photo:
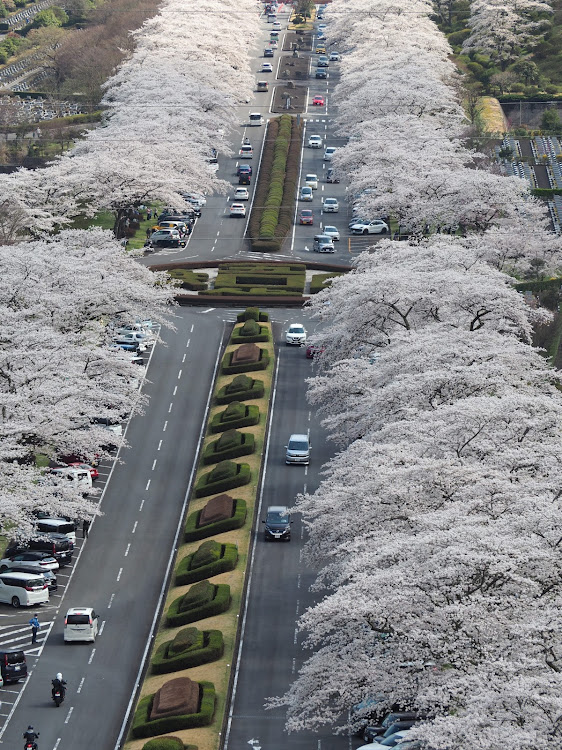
(546, 192)
(211, 484)
(241, 444)
(167, 743)
(194, 532)
(230, 369)
(238, 337)
(252, 313)
(192, 280)
(209, 647)
(235, 416)
(186, 574)
(255, 390)
(142, 727)
(220, 602)
(317, 282)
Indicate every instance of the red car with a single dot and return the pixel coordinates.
(306, 216)
(92, 469)
(318, 100)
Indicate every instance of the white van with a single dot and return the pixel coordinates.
(80, 624)
(82, 477)
(57, 526)
(23, 589)
(256, 118)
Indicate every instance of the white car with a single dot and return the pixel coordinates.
(238, 209)
(329, 152)
(266, 68)
(241, 194)
(80, 624)
(332, 232)
(311, 180)
(246, 151)
(196, 199)
(315, 141)
(334, 56)
(330, 205)
(296, 335)
(377, 226)
(37, 560)
(277, 26)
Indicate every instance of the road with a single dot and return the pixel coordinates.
(122, 568)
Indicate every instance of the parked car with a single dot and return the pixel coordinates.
(296, 334)
(306, 216)
(241, 194)
(238, 210)
(330, 205)
(376, 226)
(312, 350)
(332, 232)
(306, 193)
(298, 450)
(323, 244)
(37, 560)
(23, 589)
(55, 545)
(334, 56)
(329, 152)
(315, 141)
(311, 180)
(13, 665)
(167, 238)
(277, 523)
(372, 730)
(92, 469)
(48, 575)
(331, 175)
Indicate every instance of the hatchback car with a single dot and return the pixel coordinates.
(315, 141)
(306, 216)
(277, 523)
(238, 210)
(266, 68)
(322, 62)
(241, 194)
(296, 335)
(244, 179)
(332, 232)
(318, 101)
(330, 205)
(243, 169)
(321, 50)
(246, 151)
(321, 73)
(329, 152)
(323, 244)
(311, 180)
(376, 226)
(80, 624)
(268, 52)
(306, 193)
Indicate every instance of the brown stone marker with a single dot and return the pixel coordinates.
(217, 509)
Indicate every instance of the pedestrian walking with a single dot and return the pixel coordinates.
(85, 528)
(148, 233)
(149, 214)
(35, 625)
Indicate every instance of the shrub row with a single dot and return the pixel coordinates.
(229, 369)
(242, 445)
(235, 416)
(177, 616)
(252, 313)
(167, 743)
(194, 281)
(262, 183)
(248, 338)
(211, 649)
(317, 282)
(257, 291)
(280, 283)
(186, 574)
(208, 484)
(270, 214)
(253, 389)
(142, 727)
(193, 532)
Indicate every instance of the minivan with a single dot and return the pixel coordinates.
(80, 624)
(13, 665)
(255, 117)
(57, 545)
(57, 526)
(23, 589)
(81, 477)
(298, 450)
(277, 523)
(323, 244)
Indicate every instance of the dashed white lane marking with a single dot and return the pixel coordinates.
(92, 656)
(179, 374)
(69, 714)
(79, 689)
(102, 627)
(164, 428)
(111, 601)
(140, 506)
(147, 485)
(119, 574)
(154, 464)
(135, 527)
(159, 445)
(127, 550)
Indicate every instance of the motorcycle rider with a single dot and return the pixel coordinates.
(30, 735)
(58, 684)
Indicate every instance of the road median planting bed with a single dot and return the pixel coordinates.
(198, 632)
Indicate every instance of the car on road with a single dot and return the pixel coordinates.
(277, 25)
(38, 560)
(243, 169)
(329, 152)
(318, 101)
(376, 226)
(80, 624)
(322, 26)
(241, 194)
(277, 523)
(273, 44)
(315, 141)
(255, 119)
(244, 179)
(321, 50)
(297, 450)
(268, 52)
(306, 193)
(312, 350)
(23, 589)
(330, 205)
(246, 151)
(331, 175)
(306, 216)
(238, 210)
(296, 335)
(321, 73)
(323, 62)
(266, 68)
(311, 180)
(334, 56)
(332, 232)
(167, 238)
(323, 243)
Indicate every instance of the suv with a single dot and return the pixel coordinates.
(39, 561)
(167, 238)
(13, 665)
(277, 523)
(56, 545)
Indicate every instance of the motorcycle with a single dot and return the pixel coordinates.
(29, 745)
(58, 697)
